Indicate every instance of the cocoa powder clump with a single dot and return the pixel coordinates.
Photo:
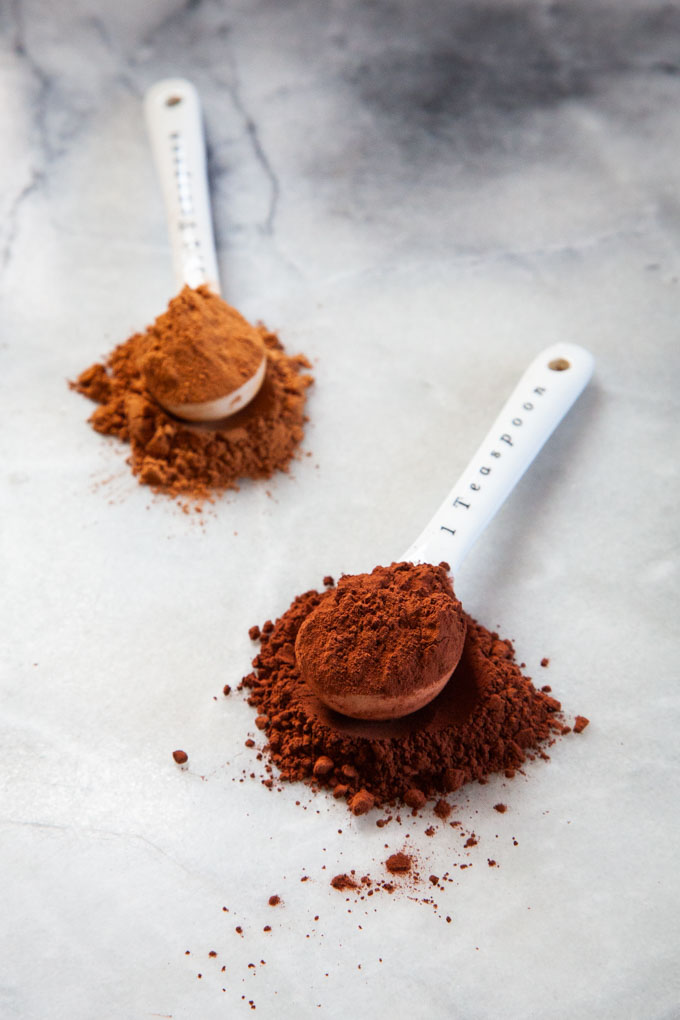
(398, 864)
(442, 808)
(343, 882)
(414, 798)
(323, 767)
(196, 460)
(361, 803)
(485, 720)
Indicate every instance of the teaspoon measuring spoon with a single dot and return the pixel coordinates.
(174, 123)
(550, 385)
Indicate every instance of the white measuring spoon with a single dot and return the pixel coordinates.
(542, 397)
(551, 384)
(174, 124)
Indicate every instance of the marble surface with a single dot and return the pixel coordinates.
(419, 196)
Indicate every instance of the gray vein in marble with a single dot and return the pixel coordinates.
(216, 31)
(17, 45)
(96, 831)
(253, 133)
(43, 80)
(13, 214)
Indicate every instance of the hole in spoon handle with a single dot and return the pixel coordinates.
(174, 123)
(544, 394)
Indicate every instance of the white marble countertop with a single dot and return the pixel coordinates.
(419, 196)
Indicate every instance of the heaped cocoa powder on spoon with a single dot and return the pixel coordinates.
(383, 644)
(489, 718)
(199, 350)
(192, 460)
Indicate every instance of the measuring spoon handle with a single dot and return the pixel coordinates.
(544, 394)
(174, 123)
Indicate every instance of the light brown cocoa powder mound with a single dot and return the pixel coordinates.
(198, 460)
(200, 349)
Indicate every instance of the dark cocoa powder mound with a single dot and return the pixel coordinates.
(195, 460)
(484, 721)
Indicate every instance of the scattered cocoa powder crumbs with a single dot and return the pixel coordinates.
(180, 757)
(274, 900)
(226, 690)
(430, 831)
(501, 808)
(442, 808)
(212, 953)
(489, 718)
(195, 461)
(580, 723)
(545, 662)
